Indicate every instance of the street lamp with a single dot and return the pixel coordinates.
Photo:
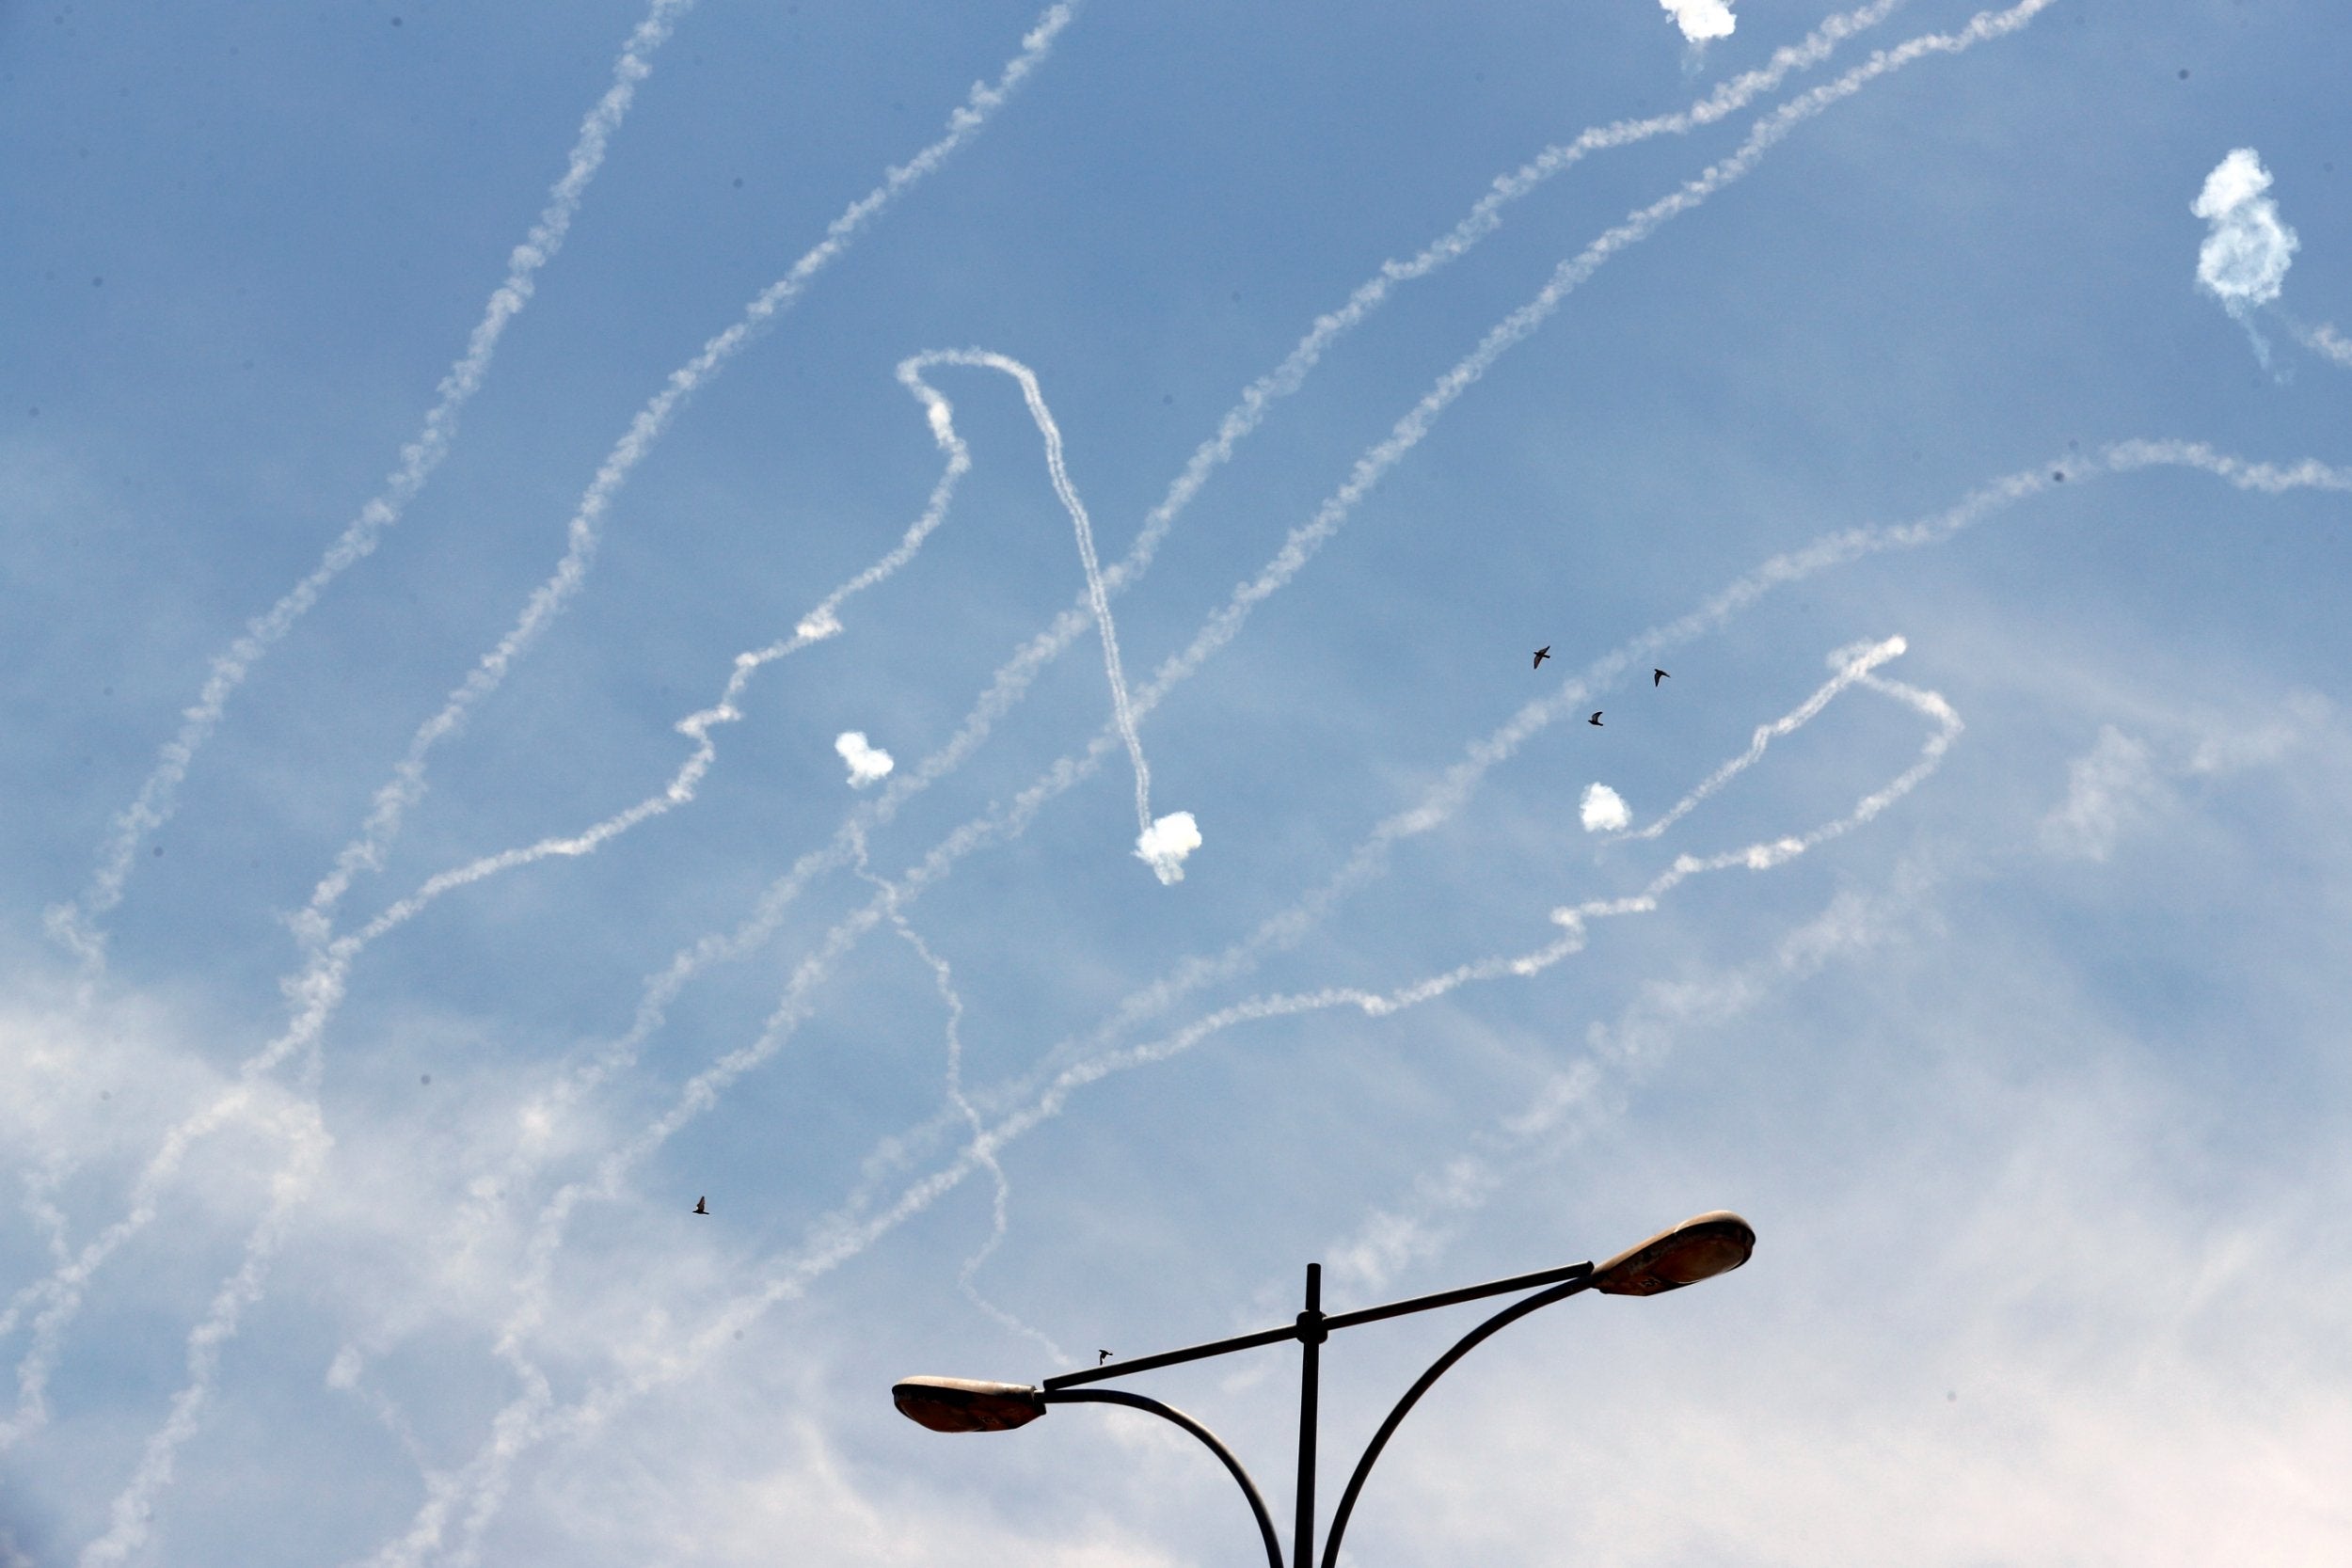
(1698, 1248)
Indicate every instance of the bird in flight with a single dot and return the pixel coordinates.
(1101, 1356)
(1595, 719)
(702, 1206)
(1655, 677)
(1541, 653)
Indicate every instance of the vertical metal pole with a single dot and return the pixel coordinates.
(1310, 1338)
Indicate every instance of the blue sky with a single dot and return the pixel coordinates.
(434, 856)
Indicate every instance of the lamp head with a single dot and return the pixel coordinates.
(965, 1404)
(1698, 1248)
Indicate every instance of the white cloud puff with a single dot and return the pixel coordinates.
(1605, 810)
(866, 763)
(1165, 844)
(1701, 20)
(2244, 262)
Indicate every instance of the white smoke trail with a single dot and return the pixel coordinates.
(944, 978)
(1165, 851)
(1851, 666)
(319, 987)
(527, 1422)
(74, 924)
(1011, 682)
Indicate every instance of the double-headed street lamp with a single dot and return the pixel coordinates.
(1696, 1249)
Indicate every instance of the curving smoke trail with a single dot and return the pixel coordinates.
(1850, 670)
(75, 925)
(1160, 843)
(944, 978)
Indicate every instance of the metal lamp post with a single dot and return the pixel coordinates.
(1698, 1248)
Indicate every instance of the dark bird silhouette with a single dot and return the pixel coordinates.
(1101, 1356)
(1541, 653)
(702, 1206)
(1655, 677)
(1595, 719)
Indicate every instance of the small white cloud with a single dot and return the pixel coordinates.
(1701, 20)
(1605, 810)
(817, 626)
(2244, 260)
(1164, 845)
(866, 763)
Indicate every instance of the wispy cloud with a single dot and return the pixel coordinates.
(2326, 342)
(2128, 784)
(2113, 787)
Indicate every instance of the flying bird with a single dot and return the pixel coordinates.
(1655, 677)
(1595, 719)
(1101, 1356)
(1541, 653)
(702, 1206)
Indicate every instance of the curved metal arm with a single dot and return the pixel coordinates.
(1168, 1412)
(1510, 1314)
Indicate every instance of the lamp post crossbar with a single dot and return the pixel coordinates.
(1335, 1321)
